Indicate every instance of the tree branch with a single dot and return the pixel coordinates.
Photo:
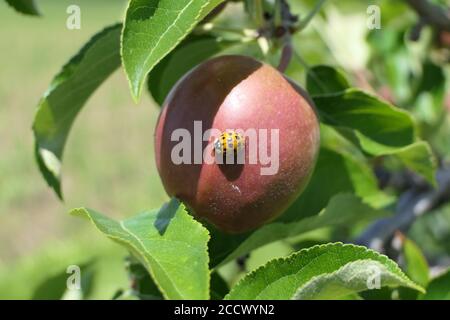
(433, 14)
(412, 204)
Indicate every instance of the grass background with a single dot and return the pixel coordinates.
(108, 163)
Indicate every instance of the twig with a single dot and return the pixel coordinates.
(413, 203)
(431, 13)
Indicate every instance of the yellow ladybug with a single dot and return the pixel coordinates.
(227, 141)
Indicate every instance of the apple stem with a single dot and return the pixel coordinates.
(286, 56)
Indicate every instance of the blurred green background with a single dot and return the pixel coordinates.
(108, 163)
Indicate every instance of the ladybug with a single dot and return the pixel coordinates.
(227, 141)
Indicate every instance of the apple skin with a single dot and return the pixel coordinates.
(238, 92)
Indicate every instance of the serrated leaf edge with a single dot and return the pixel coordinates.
(336, 69)
(56, 180)
(84, 212)
(402, 278)
(288, 225)
(370, 95)
(331, 245)
(136, 89)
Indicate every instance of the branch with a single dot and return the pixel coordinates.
(412, 204)
(433, 14)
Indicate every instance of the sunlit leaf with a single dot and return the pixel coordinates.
(152, 29)
(66, 96)
(321, 272)
(168, 242)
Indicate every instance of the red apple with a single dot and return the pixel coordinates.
(238, 92)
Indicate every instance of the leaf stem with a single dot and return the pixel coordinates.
(308, 69)
(304, 22)
(301, 60)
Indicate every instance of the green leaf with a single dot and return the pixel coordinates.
(384, 293)
(168, 242)
(55, 286)
(52, 288)
(24, 6)
(380, 128)
(323, 79)
(345, 168)
(419, 158)
(432, 231)
(342, 209)
(152, 29)
(189, 53)
(264, 254)
(346, 171)
(67, 94)
(385, 126)
(438, 288)
(321, 272)
(415, 262)
(143, 286)
(430, 95)
(415, 266)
